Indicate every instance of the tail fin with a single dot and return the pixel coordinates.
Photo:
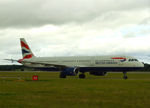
(26, 51)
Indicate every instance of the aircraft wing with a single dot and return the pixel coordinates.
(45, 64)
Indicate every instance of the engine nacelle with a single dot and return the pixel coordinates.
(70, 71)
(98, 73)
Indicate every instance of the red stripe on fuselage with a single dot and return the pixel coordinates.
(118, 58)
(24, 45)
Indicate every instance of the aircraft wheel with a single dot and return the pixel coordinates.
(22, 69)
(125, 77)
(62, 75)
(82, 76)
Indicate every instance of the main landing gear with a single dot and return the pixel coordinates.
(62, 75)
(125, 75)
(82, 75)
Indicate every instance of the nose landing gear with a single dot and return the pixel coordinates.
(125, 75)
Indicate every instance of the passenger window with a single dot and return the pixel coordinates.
(133, 60)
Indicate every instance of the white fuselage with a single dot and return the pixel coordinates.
(86, 61)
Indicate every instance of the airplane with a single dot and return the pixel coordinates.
(73, 65)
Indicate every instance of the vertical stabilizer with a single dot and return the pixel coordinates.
(26, 51)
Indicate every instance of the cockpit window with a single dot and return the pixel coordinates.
(133, 60)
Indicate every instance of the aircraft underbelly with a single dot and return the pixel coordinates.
(117, 69)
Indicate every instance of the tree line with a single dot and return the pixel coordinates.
(24, 68)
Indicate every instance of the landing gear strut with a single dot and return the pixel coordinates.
(125, 75)
(82, 75)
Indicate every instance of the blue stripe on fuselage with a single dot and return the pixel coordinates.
(107, 69)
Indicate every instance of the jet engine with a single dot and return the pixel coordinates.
(98, 73)
(73, 71)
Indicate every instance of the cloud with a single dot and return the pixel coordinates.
(75, 27)
(35, 13)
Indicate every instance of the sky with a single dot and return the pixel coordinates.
(75, 28)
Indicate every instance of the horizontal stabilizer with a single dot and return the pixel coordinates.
(12, 60)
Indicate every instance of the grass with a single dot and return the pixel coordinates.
(109, 91)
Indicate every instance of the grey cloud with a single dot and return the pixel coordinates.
(74, 27)
(33, 13)
(130, 35)
(146, 21)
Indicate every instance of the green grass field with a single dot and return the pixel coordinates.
(17, 90)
